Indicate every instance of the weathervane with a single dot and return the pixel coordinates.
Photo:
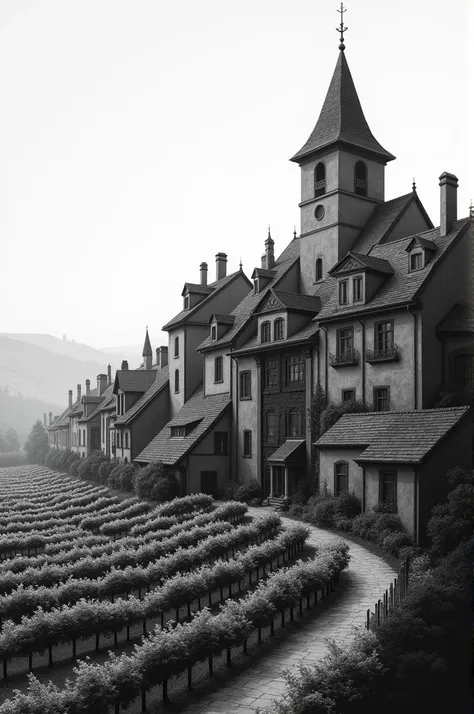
(341, 29)
(413, 186)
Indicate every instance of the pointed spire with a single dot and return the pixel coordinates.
(240, 264)
(413, 186)
(147, 346)
(342, 120)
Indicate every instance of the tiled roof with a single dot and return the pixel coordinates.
(393, 437)
(134, 380)
(295, 301)
(223, 319)
(186, 314)
(159, 383)
(107, 396)
(401, 287)
(247, 307)
(423, 242)
(459, 319)
(109, 401)
(366, 261)
(286, 450)
(207, 410)
(263, 273)
(307, 332)
(197, 288)
(342, 118)
(381, 221)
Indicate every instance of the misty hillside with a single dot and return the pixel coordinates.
(21, 412)
(67, 348)
(132, 353)
(37, 372)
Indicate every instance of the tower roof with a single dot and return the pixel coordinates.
(342, 119)
(147, 346)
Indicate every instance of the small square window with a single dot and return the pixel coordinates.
(178, 432)
(416, 261)
(381, 399)
(343, 298)
(247, 445)
(348, 395)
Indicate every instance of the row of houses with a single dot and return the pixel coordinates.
(370, 302)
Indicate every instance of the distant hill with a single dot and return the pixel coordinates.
(67, 348)
(21, 412)
(132, 353)
(37, 372)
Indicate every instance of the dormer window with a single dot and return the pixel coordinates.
(360, 179)
(343, 292)
(320, 179)
(186, 302)
(279, 329)
(416, 261)
(265, 332)
(178, 432)
(214, 332)
(357, 285)
(319, 269)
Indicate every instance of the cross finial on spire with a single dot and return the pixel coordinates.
(471, 210)
(413, 186)
(240, 264)
(269, 231)
(294, 232)
(341, 29)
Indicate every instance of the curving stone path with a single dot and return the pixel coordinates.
(258, 682)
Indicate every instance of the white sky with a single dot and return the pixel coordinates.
(138, 138)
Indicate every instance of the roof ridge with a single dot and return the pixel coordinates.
(419, 235)
(409, 411)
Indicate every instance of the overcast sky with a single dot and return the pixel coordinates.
(138, 138)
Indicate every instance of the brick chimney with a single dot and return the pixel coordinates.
(50, 418)
(101, 383)
(449, 202)
(124, 364)
(45, 423)
(88, 387)
(109, 374)
(203, 272)
(269, 253)
(221, 265)
(162, 356)
(78, 398)
(70, 398)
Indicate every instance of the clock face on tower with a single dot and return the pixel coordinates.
(319, 212)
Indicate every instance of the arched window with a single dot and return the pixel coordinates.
(294, 423)
(270, 427)
(279, 329)
(320, 179)
(176, 346)
(265, 332)
(176, 381)
(341, 477)
(319, 269)
(360, 179)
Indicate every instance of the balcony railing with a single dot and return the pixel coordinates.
(346, 358)
(388, 354)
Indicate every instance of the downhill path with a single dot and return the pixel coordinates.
(256, 680)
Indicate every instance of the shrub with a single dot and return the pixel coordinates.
(451, 521)
(113, 478)
(256, 502)
(37, 445)
(247, 491)
(147, 477)
(346, 505)
(165, 488)
(105, 469)
(322, 513)
(296, 509)
(334, 412)
(228, 493)
(74, 468)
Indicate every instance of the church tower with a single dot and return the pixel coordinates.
(342, 177)
(147, 353)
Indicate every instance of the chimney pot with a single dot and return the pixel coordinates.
(449, 202)
(45, 423)
(109, 374)
(50, 418)
(203, 271)
(269, 252)
(88, 387)
(124, 364)
(221, 265)
(162, 356)
(78, 399)
(101, 384)
(70, 398)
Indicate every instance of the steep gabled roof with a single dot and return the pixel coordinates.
(204, 411)
(383, 220)
(134, 380)
(160, 382)
(223, 319)
(184, 315)
(247, 307)
(422, 242)
(400, 288)
(300, 303)
(288, 451)
(197, 288)
(360, 261)
(342, 119)
(107, 396)
(459, 319)
(147, 346)
(393, 437)
(306, 334)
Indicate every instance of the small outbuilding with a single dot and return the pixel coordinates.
(397, 458)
